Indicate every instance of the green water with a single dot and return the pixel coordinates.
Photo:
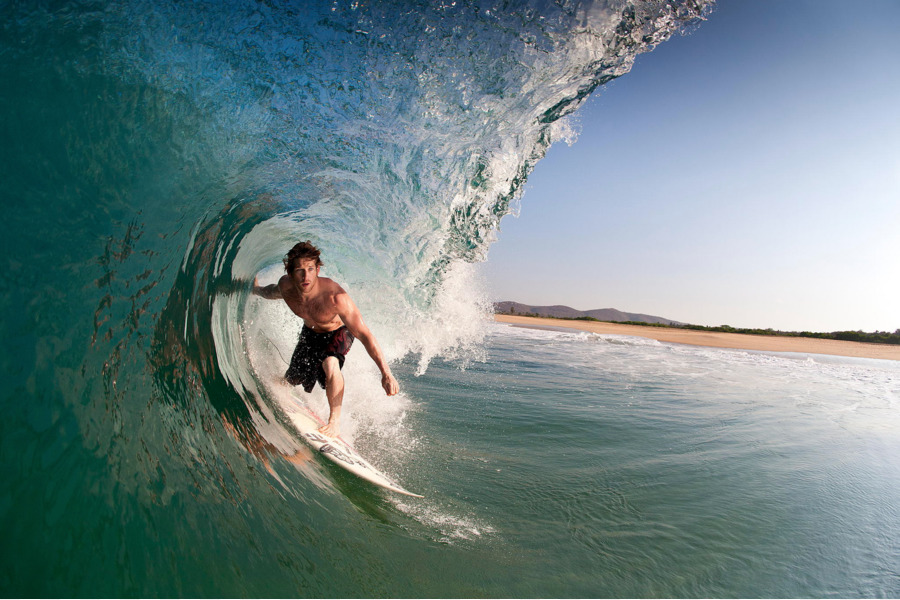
(156, 158)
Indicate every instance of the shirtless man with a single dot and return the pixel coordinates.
(331, 322)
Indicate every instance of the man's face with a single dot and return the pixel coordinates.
(305, 275)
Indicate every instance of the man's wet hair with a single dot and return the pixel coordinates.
(300, 251)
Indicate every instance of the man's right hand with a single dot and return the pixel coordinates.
(269, 292)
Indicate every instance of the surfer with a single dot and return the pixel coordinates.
(331, 321)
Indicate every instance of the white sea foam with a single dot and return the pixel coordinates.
(863, 393)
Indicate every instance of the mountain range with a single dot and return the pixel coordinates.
(567, 312)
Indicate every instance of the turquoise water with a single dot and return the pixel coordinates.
(623, 467)
(157, 156)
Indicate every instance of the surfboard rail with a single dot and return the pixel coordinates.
(339, 452)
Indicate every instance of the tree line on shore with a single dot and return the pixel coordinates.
(876, 337)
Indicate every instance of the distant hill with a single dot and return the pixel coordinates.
(567, 312)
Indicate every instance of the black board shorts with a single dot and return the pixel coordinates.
(312, 349)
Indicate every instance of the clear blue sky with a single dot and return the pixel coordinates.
(747, 173)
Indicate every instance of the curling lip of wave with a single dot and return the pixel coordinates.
(171, 151)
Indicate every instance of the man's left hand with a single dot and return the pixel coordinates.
(390, 385)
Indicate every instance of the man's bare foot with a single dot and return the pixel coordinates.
(331, 430)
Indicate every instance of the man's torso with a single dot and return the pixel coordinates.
(318, 310)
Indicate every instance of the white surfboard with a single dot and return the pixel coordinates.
(340, 452)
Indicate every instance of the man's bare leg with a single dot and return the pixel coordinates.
(334, 389)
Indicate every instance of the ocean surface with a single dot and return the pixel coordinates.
(157, 156)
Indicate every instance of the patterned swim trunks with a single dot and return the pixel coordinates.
(313, 348)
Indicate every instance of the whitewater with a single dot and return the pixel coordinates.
(157, 156)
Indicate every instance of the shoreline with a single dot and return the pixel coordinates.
(716, 339)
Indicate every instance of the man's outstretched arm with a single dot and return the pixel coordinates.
(353, 320)
(269, 292)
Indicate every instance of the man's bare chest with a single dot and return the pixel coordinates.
(315, 311)
(308, 309)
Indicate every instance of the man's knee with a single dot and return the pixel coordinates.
(332, 367)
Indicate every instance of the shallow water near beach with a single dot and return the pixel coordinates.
(158, 156)
(620, 466)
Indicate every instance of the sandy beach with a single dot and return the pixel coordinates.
(719, 340)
